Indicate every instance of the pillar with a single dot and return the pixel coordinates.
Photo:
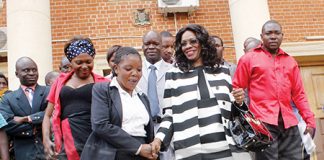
(247, 17)
(1, 5)
(29, 34)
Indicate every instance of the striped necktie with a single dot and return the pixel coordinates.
(152, 92)
(30, 95)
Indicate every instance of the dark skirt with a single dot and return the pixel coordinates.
(80, 126)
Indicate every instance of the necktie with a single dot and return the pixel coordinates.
(30, 95)
(152, 92)
(203, 89)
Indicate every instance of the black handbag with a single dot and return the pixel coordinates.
(248, 132)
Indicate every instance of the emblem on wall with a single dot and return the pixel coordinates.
(141, 17)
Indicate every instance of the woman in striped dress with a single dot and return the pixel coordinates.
(197, 100)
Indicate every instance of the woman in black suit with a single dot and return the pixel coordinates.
(120, 114)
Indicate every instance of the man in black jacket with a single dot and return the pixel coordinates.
(23, 109)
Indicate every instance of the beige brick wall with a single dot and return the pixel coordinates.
(299, 18)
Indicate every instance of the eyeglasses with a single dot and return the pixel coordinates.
(190, 41)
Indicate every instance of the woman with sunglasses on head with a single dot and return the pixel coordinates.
(70, 103)
(120, 114)
(197, 100)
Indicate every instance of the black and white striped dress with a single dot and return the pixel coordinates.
(198, 127)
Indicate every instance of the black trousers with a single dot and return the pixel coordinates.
(287, 143)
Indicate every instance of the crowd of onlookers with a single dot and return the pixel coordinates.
(175, 103)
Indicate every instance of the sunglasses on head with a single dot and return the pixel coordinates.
(190, 41)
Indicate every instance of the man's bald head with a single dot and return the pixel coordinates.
(65, 65)
(250, 43)
(51, 77)
(23, 60)
(152, 34)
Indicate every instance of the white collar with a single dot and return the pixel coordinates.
(115, 83)
(157, 64)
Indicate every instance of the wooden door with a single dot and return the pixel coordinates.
(313, 78)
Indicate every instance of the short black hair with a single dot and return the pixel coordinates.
(111, 51)
(124, 51)
(213, 36)
(270, 22)
(165, 34)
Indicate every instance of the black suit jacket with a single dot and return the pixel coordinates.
(106, 118)
(27, 136)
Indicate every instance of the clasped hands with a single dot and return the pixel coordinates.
(151, 151)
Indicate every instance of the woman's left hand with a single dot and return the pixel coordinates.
(238, 94)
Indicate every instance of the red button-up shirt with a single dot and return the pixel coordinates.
(272, 83)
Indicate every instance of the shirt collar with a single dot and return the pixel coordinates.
(157, 64)
(23, 87)
(115, 83)
(280, 51)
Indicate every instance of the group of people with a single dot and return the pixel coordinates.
(164, 106)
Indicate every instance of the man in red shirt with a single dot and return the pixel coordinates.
(273, 79)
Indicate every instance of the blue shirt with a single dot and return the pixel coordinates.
(3, 122)
(296, 112)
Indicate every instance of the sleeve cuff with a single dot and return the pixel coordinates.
(313, 125)
(139, 150)
(160, 136)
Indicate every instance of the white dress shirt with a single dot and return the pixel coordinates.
(135, 116)
(157, 66)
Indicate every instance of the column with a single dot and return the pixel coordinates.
(29, 34)
(1, 5)
(247, 17)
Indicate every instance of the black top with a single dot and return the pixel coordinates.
(76, 108)
(75, 100)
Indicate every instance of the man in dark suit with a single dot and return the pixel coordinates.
(23, 109)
